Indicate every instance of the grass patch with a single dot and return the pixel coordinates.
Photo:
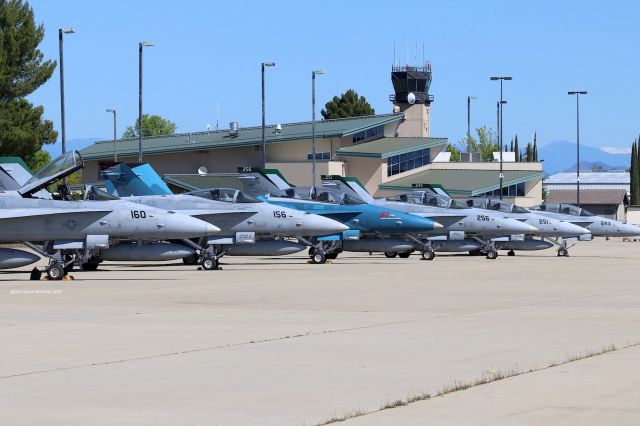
(487, 377)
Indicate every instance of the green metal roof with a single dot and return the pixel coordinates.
(191, 182)
(248, 136)
(387, 147)
(463, 182)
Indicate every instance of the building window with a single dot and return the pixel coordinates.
(319, 156)
(409, 161)
(368, 134)
(507, 191)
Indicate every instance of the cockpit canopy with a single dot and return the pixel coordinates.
(569, 209)
(322, 195)
(228, 195)
(496, 205)
(428, 199)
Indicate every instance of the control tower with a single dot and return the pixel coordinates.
(411, 97)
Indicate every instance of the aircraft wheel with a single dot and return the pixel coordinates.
(511, 253)
(192, 259)
(492, 254)
(475, 252)
(563, 252)
(332, 256)
(55, 271)
(428, 255)
(209, 263)
(312, 251)
(404, 255)
(390, 254)
(319, 257)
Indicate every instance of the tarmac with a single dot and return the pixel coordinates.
(277, 341)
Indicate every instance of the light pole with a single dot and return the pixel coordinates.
(577, 93)
(469, 124)
(501, 78)
(264, 146)
(313, 123)
(62, 31)
(115, 149)
(140, 46)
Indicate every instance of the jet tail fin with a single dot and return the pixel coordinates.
(348, 184)
(125, 180)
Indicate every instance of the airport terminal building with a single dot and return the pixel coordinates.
(387, 153)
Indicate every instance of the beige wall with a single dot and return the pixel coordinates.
(416, 121)
(370, 171)
(633, 215)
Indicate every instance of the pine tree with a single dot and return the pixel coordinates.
(349, 104)
(22, 71)
(516, 149)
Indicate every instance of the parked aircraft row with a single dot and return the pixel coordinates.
(258, 213)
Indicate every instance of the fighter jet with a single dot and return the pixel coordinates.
(550, 229)
(598, 226)
(250, 227)
(465, 228)
(371, 228)
(80, 226)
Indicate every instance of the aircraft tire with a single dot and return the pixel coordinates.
(428, 255)
(332, 256)
(492, 254)
(55, 272)
(319, 257)
(390, 254)
(209, 263)
(563, 252)
(90, 266)
(404, 255)
(511, 253)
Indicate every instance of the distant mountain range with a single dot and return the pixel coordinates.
(56, 149)
(560, 156)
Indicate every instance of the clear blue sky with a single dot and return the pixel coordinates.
(210, 52)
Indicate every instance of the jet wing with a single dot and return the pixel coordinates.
(11, 213)
(446, 220)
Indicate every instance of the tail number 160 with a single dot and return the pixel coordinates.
(138, 214)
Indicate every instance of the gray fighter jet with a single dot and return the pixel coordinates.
(250, 227)
(80, 226)
(598, 226)
(465, 228)
(553, 231)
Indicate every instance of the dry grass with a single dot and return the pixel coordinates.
(487, 377)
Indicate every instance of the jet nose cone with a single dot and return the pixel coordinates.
(212, 229)
(629, 230)
(437, 225)
(314, 224)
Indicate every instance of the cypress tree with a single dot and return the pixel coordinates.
(516, 149)
(535, 148)
(511, 147)
(634, 173)
(529, 152)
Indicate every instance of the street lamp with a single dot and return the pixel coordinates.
(115, 149)
(313, 123)
(469, 123)
(577, 93)
(62, 31)
(140, 46)
(264, 146)
(501, 78)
